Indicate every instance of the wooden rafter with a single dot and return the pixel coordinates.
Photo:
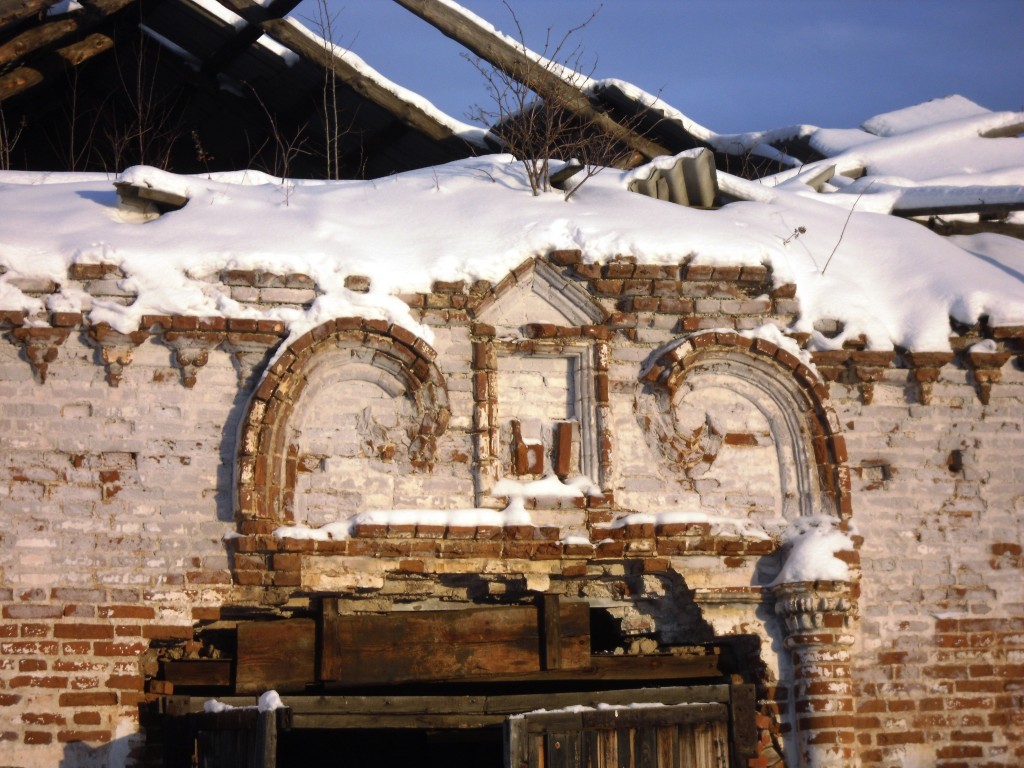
(34, 52)
(247, 35)
(25, 77)
(35, 38)
(13, 11)
(515, 63)
(292, 38)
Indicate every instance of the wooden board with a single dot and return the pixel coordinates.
(400, 647)
(205, 673)
(276, 655)
(676, 736)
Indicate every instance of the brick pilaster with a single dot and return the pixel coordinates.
(817, 617)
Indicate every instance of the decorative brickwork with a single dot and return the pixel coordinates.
(779, 382)
(145, 473)
(269, 460)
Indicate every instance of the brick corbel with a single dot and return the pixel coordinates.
(987, 368)
(192, 351)
(250, 343)
(868, 367)
(116, 349)
(41, 346)
(926, 367)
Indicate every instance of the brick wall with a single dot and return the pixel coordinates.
(119, 478)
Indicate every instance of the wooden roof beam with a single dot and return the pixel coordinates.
(35, 38)
(50, 33)
(25, 77)
(13, 11)
(373, 91)
(517, 64)
(247, 35)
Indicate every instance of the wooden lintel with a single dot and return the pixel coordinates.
(472, 643)
(332, 711)
(517, 64)
(636, 669)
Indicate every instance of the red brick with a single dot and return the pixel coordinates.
(959, 750)
(43, 718)
(119, 649)
(87, 718)
(83, 631)
(29, 648)
(906, 737)
(125, 682)
(68, 736)
(167, 632)
(39, 681)
(38, 737)
(88, 699)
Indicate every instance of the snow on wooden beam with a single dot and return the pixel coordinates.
(523, 66)
(291, 37)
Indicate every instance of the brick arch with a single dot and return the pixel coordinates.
(810, 426)
(266, 463)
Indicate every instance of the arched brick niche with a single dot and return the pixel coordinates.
(789, 417)
(717, 392)
(353, 397)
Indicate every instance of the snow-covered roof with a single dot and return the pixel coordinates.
(890, 279)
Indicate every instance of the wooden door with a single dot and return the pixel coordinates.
(679, 736)
(235, 738)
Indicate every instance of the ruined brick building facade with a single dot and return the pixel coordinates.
(602, 456)
(145, 475)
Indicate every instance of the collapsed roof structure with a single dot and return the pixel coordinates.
(718, 453)
(220, 85)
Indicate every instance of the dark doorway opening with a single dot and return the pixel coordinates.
(391, 747)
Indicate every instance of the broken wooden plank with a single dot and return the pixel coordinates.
(278, 655)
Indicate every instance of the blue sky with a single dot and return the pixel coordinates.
(731, 65)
